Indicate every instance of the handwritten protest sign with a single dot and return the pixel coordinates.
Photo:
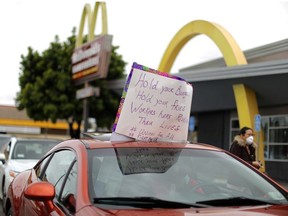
(154, 106)
(145, 160)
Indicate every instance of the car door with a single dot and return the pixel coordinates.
(59, 169)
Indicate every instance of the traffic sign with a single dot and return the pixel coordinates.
(192, 123)
(257, 123)
(87, 92)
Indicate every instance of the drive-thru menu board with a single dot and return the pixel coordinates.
(154, 106)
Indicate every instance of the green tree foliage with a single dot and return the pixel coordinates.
(47, 92)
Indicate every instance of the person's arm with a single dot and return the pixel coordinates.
(239, 152)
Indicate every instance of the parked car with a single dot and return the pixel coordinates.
(92, 177)
(4, 139)
(21, 154)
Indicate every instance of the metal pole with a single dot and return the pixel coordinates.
(85, 110)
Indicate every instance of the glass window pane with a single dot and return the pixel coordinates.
(57, 169)
(69, 195)
(279, 121)
(235, 124)
(278, 152)
(278, 135)
(266, 156)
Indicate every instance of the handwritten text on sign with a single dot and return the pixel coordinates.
(155, 107)
(145, 160)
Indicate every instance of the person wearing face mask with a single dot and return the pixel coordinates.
(244, 146)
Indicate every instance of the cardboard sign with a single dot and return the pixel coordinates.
(146, 160)
(154, 106)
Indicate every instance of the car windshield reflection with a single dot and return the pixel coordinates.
(177, 175)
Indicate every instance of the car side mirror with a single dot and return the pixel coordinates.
(41, 191)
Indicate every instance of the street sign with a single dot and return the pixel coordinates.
(87, 92)
(192, 123)
(257, 123)
(91, 60)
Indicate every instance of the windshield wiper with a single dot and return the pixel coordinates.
(236, 201)
(145, 202)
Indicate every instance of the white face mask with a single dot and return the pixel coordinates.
(249, 140)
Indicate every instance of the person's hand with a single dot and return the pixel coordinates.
(257, 164)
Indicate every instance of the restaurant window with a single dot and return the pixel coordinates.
(193, 129)
(275, 132)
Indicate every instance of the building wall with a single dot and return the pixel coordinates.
(213, 128)
(277, 170)
(17, 123)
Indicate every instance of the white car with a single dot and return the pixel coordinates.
(4, 139)
(21, 154)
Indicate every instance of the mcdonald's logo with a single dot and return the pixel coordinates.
(91, 60)
(246, 102)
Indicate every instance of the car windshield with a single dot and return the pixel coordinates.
(190, 176)
(32, 149)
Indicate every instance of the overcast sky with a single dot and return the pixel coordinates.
(142, 28)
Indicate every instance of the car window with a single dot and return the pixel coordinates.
(181, 175)
(4, 140)
(68, 196)
(105, 176)
(41, 167)
(32, 149)
(58, 168)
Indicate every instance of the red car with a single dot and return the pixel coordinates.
(90, 177)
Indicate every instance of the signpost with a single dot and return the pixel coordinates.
(87, 92)
(90, 61)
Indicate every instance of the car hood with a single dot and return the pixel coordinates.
(219, 211)
(21, 165)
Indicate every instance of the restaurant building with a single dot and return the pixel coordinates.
(214, 111)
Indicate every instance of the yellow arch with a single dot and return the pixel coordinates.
(245, 97)
(91, 21)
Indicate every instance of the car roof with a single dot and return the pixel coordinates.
(98, 136)
(95, 140)
(35, 139)
(94, 144)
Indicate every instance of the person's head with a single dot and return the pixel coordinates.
(247, 134)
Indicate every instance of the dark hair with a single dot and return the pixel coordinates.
(243, 130)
